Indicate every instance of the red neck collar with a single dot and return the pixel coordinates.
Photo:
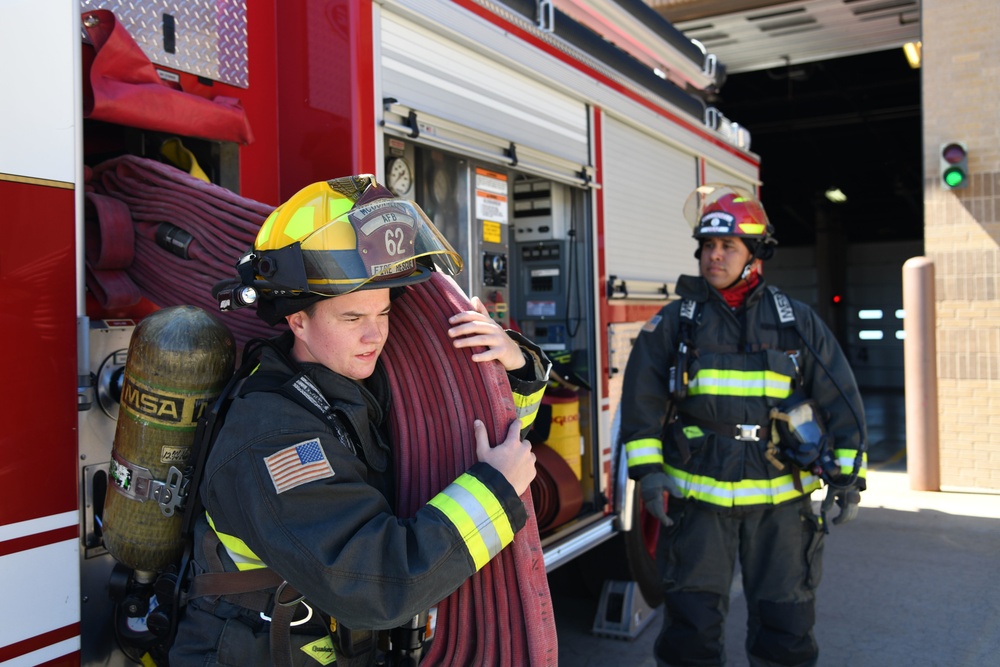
(736, 295)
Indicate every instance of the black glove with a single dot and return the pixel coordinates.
(848, 500)
(652, 488)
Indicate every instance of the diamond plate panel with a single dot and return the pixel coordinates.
(210, 36)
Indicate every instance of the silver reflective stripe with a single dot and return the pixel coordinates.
(646, 451)
(730, 383)
(478, 516)
(641, 452)
(729, 492)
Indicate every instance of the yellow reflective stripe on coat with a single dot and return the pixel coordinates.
(477, 515)
(709, 381)
(744, 492)
(644, 451)
(527, 406)
(237, 549)
(845, 459)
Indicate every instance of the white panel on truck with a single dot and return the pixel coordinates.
(646, 182)
(427, 72)
(38, 133)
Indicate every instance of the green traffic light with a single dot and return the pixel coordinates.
(954, 165)
(954, 177)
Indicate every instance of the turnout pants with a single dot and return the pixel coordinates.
(780, 551)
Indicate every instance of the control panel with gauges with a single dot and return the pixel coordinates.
(469, 203)
(491, 194)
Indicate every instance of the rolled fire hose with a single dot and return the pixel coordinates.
(502, 615)
(188, 234)
(556, 490)
(109, 248)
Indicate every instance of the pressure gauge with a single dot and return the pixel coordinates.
(399, 176)
(441, 186)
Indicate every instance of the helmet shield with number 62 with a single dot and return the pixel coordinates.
(332, 238)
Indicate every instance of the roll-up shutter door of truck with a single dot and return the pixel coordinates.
(430, 73)
(646, 181)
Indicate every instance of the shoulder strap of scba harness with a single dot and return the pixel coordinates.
(207, 431)
(782, 306)
(246, 380)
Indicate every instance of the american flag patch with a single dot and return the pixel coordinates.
(650, 326)
(298, 464)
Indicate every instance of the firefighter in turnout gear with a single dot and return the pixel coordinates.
(309, 496)
(713, 417)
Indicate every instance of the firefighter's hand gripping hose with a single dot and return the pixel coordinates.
(503, 614)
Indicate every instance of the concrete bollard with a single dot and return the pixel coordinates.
(920, 367)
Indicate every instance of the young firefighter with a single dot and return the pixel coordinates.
(716, 414)
(308, 496)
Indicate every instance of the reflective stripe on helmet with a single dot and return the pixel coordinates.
(744, 492)
(751, 228)
(307, 210)
(643, 452)
(477, 515)
(709, 381)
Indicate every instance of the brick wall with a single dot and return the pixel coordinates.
(961, 102)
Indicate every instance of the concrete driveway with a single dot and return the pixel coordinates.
(914, 581)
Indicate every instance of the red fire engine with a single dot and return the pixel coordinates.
(552, 142)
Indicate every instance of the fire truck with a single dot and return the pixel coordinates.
(553, 142)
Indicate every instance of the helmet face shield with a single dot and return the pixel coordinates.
(804, 423)
(799, 431)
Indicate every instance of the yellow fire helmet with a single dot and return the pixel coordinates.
(334, 237)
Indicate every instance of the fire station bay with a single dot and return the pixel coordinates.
(552, 146)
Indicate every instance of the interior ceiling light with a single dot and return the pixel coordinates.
(912, 51)
(836, 195)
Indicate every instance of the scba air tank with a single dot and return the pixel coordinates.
(179, 360)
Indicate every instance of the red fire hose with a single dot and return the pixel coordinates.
(202, 228)
(556, 491)
(503, 614)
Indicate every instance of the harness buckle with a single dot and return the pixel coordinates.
(747, 432)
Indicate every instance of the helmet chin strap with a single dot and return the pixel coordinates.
(747, 270)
